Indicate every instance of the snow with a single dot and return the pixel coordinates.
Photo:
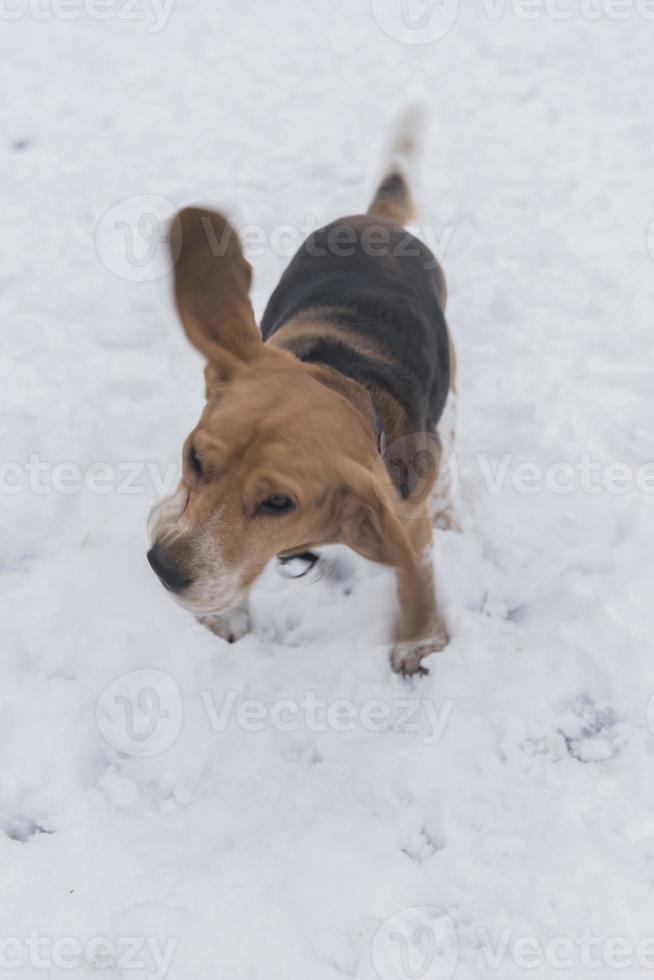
(288, 808)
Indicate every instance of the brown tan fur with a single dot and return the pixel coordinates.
(256, 438)
(319, 325)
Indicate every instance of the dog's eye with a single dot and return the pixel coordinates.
(194, 461)
(275, 506)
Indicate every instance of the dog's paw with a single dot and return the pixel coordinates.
(406, 658)
(232, 625)
(445, 520)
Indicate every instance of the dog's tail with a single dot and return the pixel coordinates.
(393, 200)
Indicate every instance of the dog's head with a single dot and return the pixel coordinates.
(283, 456)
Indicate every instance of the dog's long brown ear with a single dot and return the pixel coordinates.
(368, 524)
(212, 283)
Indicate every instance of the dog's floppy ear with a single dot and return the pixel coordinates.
(212, 283)
(368, 524)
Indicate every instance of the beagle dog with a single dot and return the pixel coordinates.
(319, 428)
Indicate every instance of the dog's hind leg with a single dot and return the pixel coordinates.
(441, 503)
(442, 495)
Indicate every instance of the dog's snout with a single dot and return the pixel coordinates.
(169, 572)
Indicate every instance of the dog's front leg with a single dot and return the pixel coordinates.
(231, 625)
(420, 629)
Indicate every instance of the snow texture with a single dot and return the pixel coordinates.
(286, 808)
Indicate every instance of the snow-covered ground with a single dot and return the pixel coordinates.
(287, 808)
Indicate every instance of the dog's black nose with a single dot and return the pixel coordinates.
(168, 571)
